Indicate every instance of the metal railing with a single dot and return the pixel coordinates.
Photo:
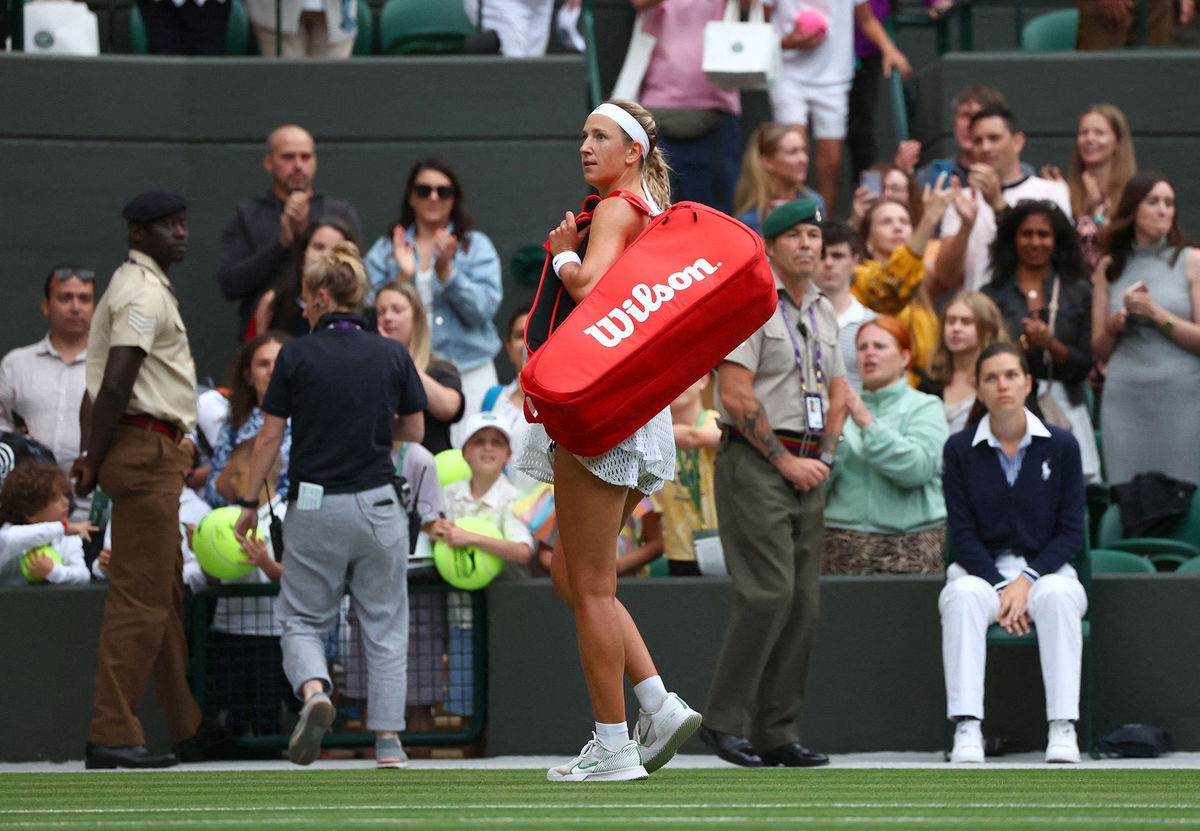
(235, 668)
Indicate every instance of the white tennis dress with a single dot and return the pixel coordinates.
(643, 461)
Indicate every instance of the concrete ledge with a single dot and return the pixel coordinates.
(876, 678)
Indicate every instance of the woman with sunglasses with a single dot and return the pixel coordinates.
(454, 268)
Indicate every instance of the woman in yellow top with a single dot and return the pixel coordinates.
(890, 280)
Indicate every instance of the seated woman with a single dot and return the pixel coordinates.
(248, 382)
(401, 317)
(891, 279)
(1015, 508)
(774, 168)
(279, 306)
(884, 512)
(455, 269)
(1038, 284)
(969, 323)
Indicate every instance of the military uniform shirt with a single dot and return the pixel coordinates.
(140, 309)
(770, 355)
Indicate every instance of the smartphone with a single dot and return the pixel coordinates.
(939, 166)
(872, 180)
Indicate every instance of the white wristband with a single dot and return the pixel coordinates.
(562, 258)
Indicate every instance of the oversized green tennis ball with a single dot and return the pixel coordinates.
(217, 549)
(50, 552)
(467, 567)
(451, 467)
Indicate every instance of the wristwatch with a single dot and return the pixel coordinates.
(251, 504)
(827, 459)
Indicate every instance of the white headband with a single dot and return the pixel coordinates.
(636, 132)
(627, 123)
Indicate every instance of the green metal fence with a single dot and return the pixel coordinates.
(237, 676)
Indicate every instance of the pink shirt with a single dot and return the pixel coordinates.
(674, 77)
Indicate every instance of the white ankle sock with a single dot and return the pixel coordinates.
(650, 693)
(612, 736)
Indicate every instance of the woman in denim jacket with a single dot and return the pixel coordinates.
(454, 268)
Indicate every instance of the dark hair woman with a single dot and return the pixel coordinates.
(1014, 506)
(454, 268)
(1038, 284)
(1145, 316)
(248, 380)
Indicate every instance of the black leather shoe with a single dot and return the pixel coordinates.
(794, 755)
(733, 749)
(103, 757)
(209, 742)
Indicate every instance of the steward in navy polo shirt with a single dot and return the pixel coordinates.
(342, 387)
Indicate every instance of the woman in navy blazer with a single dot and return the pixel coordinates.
(1015, 510)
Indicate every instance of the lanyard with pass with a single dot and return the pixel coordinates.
(814, 409)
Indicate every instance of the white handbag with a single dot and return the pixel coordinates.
(637, 59)
(741, 55)
(61, 28)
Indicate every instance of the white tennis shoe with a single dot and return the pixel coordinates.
(596, 763)
(1062, 745)
(659, 735)
(968, 742)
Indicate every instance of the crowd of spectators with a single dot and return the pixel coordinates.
(1084, 281)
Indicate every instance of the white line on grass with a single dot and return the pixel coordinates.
(620, 806)
(956, 821)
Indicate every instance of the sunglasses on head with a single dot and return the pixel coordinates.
(84, 274)
(425, 191)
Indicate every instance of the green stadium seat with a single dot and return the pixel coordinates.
(364, 41)
(421, 27)
(998, 637)
(1110, 561)
(1051, 32)
(1192, 566)
(1166, 553)
(239, 37)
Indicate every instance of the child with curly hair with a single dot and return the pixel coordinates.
(34, 506)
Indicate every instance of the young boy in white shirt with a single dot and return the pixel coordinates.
(488, 495)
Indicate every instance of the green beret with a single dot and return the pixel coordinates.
(792, 213)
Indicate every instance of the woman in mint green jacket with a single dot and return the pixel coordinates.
(884, 512)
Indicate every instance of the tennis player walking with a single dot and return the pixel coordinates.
(595, 495)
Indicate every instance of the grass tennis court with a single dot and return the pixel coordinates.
(515, 799)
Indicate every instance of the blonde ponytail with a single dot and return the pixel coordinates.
(654, 165)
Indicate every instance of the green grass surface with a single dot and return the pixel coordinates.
(830, 798)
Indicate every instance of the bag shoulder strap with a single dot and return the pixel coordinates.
(1053, 309)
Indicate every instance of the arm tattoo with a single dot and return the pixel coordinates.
(753, 425)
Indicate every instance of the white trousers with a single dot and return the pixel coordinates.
(969, 605)
(522, 25)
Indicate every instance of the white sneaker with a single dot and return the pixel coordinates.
(968, 742)
(1062, 745)
(596, 763)
(660, 734)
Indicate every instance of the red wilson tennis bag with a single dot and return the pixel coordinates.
(692, 286)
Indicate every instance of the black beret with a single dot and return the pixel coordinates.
(152, 205)
(793, 213)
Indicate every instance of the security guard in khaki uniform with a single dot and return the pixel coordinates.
(140, 403)
(782, 400)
